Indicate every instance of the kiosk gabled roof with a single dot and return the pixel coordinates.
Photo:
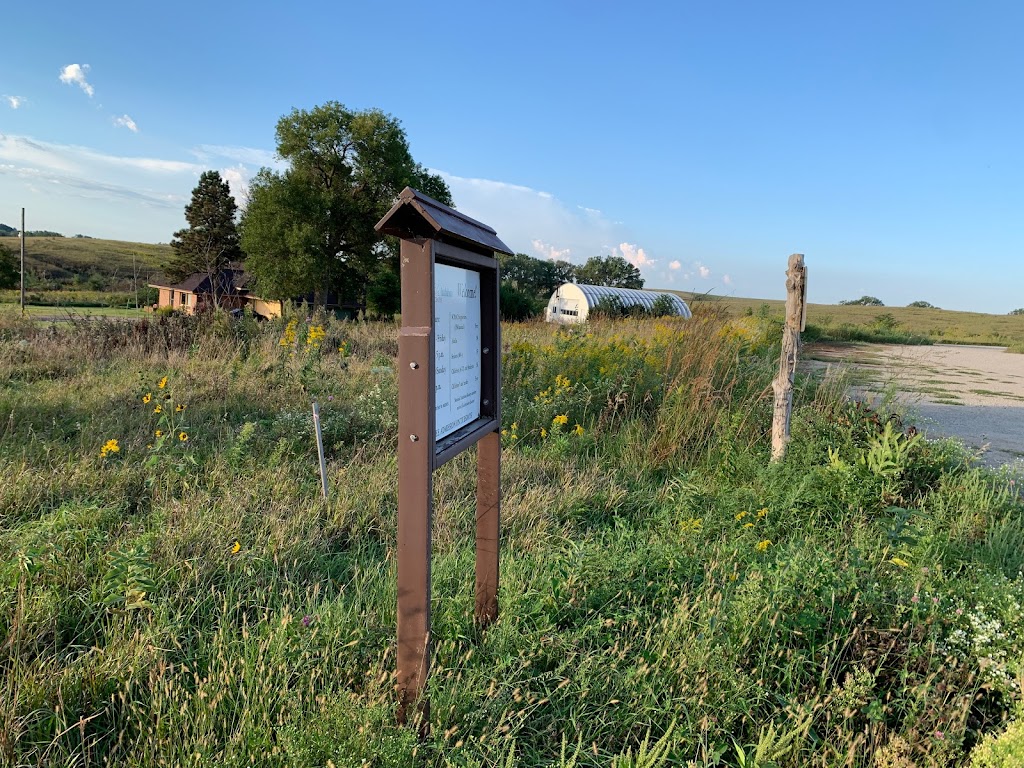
(418, 215)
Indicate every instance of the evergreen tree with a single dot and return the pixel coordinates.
(10, 269)
(210, 242)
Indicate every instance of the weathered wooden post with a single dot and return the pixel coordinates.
(796, 317)
(449, 399)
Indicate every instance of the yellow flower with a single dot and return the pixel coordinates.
(236, 548)
(900, 562)
(543, 432)
(762, 512)
(159, 433)
(515, 426)
(147, 397)
(183, 436)
(563, 419)
(179, 408)
(741, 515)
(578, 430)
(762, 546)
(748, 525)
(162, 383)
(504, 433)
(109, 447)
(158, 409)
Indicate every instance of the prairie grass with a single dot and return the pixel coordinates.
(668, 597)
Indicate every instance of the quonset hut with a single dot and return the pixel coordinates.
(572, 302)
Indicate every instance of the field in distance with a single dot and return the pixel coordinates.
(841, 322)
(68, 263)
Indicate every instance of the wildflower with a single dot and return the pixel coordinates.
(741, 515)
(762, 546)
(179, 408)
(158, 409)
(543, 432)
(162, 383)
(504, 433)
(307, 620)
(763, 512)
(563, 419)
(183, 436)
(915, 599)
(237, 546)
(748, 525)
(146, 398)
(159, 433)
(899, 561)
(515, 426)
(109, 447)
(940, 735)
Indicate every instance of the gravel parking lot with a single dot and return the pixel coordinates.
(975, 394)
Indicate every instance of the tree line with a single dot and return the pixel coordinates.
(307, 231)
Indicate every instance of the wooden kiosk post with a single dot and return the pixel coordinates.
(796, 319)
(449, 399)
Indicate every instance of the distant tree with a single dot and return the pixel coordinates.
(538, 277)
(612, 271)
(309, 229)
(210, 242)
(1019, 311)
(6, 231)
(864, 301)
(10, 270)
(384, 293)
(922, 305)
(518, 305)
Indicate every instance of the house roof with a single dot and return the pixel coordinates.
(234, 280)
(418, 215)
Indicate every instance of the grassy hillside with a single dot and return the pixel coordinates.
(71, 263)
(855, 323)
(174, 591)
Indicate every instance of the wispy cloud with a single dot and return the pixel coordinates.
(74, 74)
(70, 157)
(14, 101)
(237, 178)
(726, 279)
(126, 122)
(89, 188)
(247, 155)
(537, 222)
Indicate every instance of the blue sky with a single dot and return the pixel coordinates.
(705, 141)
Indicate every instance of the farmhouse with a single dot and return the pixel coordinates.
(229, 290)
(572, 302)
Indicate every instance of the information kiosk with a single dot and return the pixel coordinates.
(449, 399)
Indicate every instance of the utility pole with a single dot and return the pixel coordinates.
(23, 261)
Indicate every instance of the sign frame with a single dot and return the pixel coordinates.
(432, 233)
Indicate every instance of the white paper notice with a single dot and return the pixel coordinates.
(457, 348)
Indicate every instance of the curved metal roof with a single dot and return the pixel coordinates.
(631, 297)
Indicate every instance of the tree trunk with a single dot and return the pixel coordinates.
(796, 292)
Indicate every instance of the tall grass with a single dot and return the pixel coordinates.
(668, 597)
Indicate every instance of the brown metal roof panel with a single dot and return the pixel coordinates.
(434, 219)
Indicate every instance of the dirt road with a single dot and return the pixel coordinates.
(975, 394)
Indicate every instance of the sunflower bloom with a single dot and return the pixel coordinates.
(236, 547)
(560, 420)
(109, 447)
(179, 408)
(146, 398)
(159, 433)
(183, 436)
(162, 383)
(158, 409)
(578, 430)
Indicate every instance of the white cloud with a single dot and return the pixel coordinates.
(704, 271)
(726, 279)
(237, 178)
(548, 251)
(14, 101)
(69, 157)
(635, 255)
(75, 74)
(126, 122)
(675, 265)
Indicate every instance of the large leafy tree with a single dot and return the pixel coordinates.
(528, 282)
(309, 229)
(613, 271)
(210, 242)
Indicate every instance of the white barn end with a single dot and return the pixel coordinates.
(572, 302)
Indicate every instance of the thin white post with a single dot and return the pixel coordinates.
(320, 447)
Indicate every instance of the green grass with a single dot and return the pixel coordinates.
(665, 590)
(62, 312)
